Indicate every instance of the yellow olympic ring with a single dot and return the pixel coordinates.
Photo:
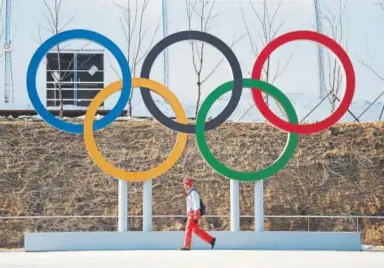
(110, 169)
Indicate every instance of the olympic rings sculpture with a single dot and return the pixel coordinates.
(181, 124)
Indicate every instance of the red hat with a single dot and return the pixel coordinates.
(188, 181)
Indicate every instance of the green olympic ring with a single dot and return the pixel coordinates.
(290, 147)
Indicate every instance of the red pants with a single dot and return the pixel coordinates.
(194, 227)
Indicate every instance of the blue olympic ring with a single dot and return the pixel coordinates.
(91, 36)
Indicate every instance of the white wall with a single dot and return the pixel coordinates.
(363, 20)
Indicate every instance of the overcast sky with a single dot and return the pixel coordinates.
(363, 22)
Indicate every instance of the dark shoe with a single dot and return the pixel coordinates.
(213, 242)
(183, 248)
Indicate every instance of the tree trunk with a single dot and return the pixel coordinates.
(130, 104)
(198, 95)
(267, 80)
(60, 89)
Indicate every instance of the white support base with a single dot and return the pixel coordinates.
(259, 206)
(235, 205)
(123, 206)
(244, 240)
(147, 206)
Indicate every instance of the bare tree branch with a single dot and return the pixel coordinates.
(144, 54)
(376, 73)
(113, 67)
(267, 21)
(234, 42)
(335, 23)
(54, 26)
(381, 114)
(372, 70)
(51, 19)
(381, 4)
(280, 72)
(190, 10)
(204, 12)
(335, 76)
(66, 24)
(253, 45)
(135, 33)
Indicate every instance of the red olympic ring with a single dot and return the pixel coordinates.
(348, 69)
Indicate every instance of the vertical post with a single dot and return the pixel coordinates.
(319, 29)
(147, 206)
(259, 206)
(147, 187)
(123, 206)
(165, 34)
(235, 205)
(75, 78)
(8, 76)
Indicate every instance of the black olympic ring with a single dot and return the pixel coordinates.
(223, 48)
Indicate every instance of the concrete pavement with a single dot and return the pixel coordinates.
(193, 259)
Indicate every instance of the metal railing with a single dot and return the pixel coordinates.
(308, 217)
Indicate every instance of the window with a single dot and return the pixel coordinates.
(81, 76)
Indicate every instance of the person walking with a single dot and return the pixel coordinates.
(194, 215)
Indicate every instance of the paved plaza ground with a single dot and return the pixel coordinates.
(193, 259)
